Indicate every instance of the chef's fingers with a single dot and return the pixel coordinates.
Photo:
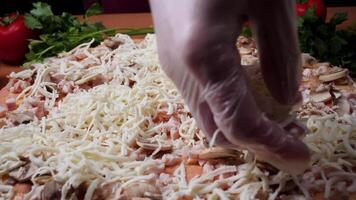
(204, 64)
(171, 28)
(276, 33)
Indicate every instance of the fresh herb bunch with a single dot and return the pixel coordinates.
(323, 41)
(60, 33)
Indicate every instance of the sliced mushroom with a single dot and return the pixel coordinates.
(218, 152)
(23, 173)
(323, 96)
(334, 76)
(345, 88)
(42, 179)
(151, 144)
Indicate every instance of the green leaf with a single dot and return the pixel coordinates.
(94, 9)
(41, 10)
(246, 31)
(31, 22)
(310, 14)
(338, 18)
(63, 32)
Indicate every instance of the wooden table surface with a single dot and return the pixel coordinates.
(143, 20)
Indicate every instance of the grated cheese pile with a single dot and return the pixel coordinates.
(90, 136)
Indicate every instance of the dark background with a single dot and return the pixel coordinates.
(109, 6)
(76, 6)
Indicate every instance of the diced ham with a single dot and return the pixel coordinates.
(80, 56)
(41, 111)
(19, 86)
(66, 86)
(11, 104)
(57, 78)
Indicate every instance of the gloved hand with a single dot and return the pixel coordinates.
(196, 46)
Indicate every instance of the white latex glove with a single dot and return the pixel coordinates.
(196, 46)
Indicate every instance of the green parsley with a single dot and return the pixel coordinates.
(63, 32)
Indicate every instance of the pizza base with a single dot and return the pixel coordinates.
(191, 164)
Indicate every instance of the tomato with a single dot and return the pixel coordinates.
(320, 8)
(14, 36)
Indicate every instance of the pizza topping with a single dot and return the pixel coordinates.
(323, 96)
(308, 61)
(150, 144)
(104, 123)
(336, 74)
(23, 173)
(218, 152)
(11, 104)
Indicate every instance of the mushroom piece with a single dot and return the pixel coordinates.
(219, 152)
(23, 173)
(339, 73)
(42, 179)
(345, 88)
(150, 144)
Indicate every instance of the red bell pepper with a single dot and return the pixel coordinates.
(14, 37)
(320, 8)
